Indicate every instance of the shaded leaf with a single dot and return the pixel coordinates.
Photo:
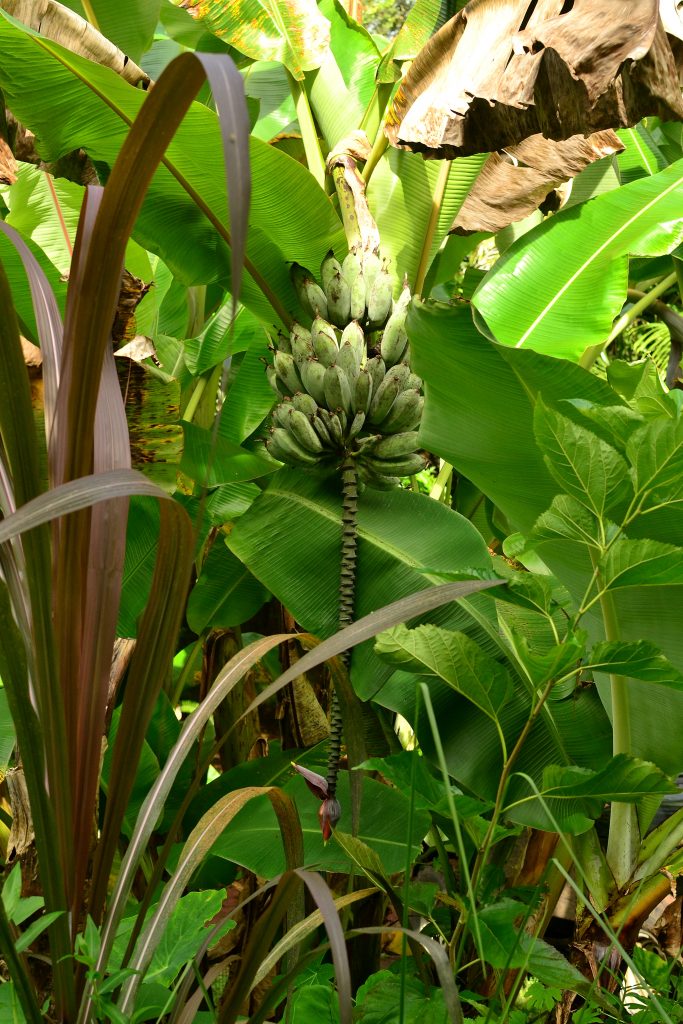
(226, 594)
(569, 518)
(638, 659)
(378, 998)
(212, 461)
(655, 452)
(645, 563)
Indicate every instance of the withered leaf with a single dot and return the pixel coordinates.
(8, 165)
(502, 71)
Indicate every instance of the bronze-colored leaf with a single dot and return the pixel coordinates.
(514, 183)
(502, 71)
(8, 165)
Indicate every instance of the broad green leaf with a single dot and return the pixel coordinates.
(220, 338)
(184, 933)
(641, 157)
(292, 32)
(453, 657)
(645, 563)
(211, 461)
(130, 24)
(69, 102)
(558, 289)
(294, 528)
(635, 380)
(408, 771)
(655, 452)
(378, 999)
(253, 838)
(10, 1006)
(7, 735)
(226, 594)
(317, 1003)
(250, 397)
(584, 465)
(267, 82)
(567, 517)
(142, 535)
(400, 198)
(230, 501)
(553, 662)
(613, 423)
(638, 659)
(46, 210)
(424, 18)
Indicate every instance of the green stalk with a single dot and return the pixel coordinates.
(624, 839)
(347, 594)
(18, 971)
(378, 150)
(347, 208)
(591, 354)
(309, 134)
(437, 200)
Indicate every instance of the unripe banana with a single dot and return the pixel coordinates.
(358, 297)
(333, 424)
(402, 371)
(337, 389)
(394, 339)
(320, 427)
(352, 266)
(338, 300)
(353, 333)
(310, 294)
(367, 443)
(380, 483)
(362, 391)
(302, 430)
(305, 403)
(405, 413)
(414, 382)
(275, 382)
(356, 426)
(344, 420)
(383, 398)
(377, 371)
(403, 301)
(283, 446)
(313, 376)
(379, 298)
(285, 367)
(371, 268)
(406, 465)
(283, 342)
(281, 412)
(325, 344)
(300, 343)
(347, 360)
(395, 445)
(328, 268)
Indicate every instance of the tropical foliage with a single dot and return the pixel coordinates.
(509, 693)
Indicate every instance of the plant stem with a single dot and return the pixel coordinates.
(379, 147)
(347, 208)
(309, 134)
(441, 483)
(195, 399)
(590, 355)
(347, 594)
(623, 841)
(437, 200)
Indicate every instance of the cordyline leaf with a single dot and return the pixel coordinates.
(55, 21)
(501, 71)
(292, 32)
(514, 183)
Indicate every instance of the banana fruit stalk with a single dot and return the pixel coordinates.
(340, 394)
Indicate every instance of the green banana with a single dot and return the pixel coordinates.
(283, 342)
(395, 445)
(321, 430)
(377, 370)
(347, 360)
(353, 334)
(302, 430)
(274, 382)
(328, 268)
(337, 389)
(406, 465)
(310, 294)
(356, 426)
(352, 266)
(313, 376)
(358, 295)
(383, 398)
(280, 414)
(414, 381)
(379, 298)
(333, 424)
(372, 265)
(402, 371)
(405, 413)
(305, 403)
(403, 301)
(324, 338)
(395, 338)
(380, 483)
(338, 300)
(285, 367)
(283, 446)
(300, 343)
(362, 391)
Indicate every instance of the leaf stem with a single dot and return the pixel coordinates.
(379, 148)
(309, 134)
(590, 355)
(437, 200)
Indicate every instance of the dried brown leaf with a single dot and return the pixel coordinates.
(502, 71)
(8, 165)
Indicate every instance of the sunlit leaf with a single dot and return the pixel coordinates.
(647, 563)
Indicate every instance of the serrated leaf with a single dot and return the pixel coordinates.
(638, 659)
(583, 464)
(642, 563)
(567, 517)
(183, 934)
(655, 452)
(454, 658)
(556, 661)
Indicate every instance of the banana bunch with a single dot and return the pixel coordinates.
(345, 385)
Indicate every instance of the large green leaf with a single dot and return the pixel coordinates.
(130, 24)
(400, 197)
(656, 455)
(290, 31)
(638, 659)
(252, 838)
(479, 416)
(558, 289)
(46, 210)
(267, 82)
(290, 539)
(214, 460)
(69, 102)
(226, 594)
(645, 563)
